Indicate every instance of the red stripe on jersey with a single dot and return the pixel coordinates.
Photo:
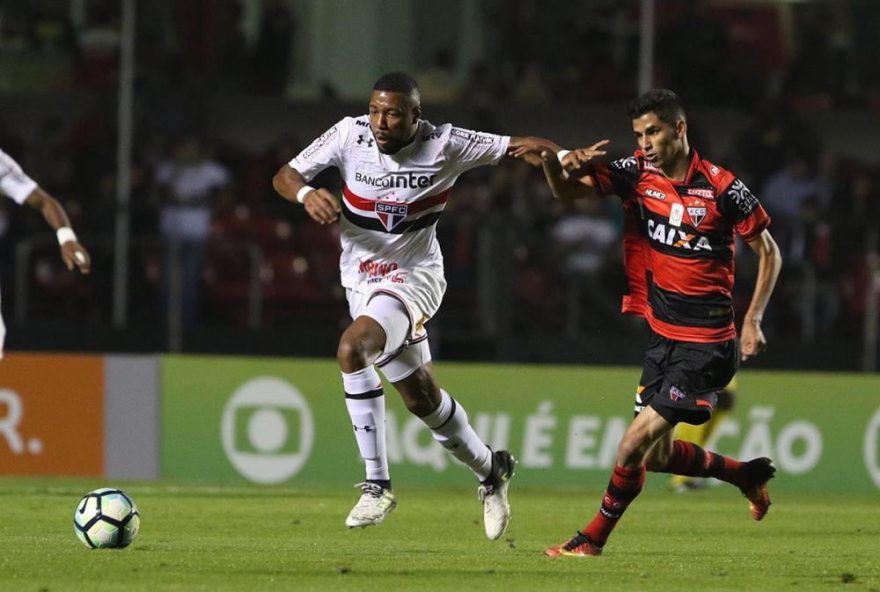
(682, 239)
(362, 203)
(686, 333)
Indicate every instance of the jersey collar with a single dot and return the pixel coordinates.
(692, 167)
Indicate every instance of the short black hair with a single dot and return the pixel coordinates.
(662, 101)
(399, 82)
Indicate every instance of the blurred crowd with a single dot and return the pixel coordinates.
(213, 199)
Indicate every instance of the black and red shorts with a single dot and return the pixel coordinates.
(681, 380)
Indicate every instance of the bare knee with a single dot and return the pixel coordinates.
(635, 448)
(631, 451)
(351, 354)
(358, 348)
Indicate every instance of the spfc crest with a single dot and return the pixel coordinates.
(391, 214)
(696, 214)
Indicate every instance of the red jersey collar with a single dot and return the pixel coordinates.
(695, 162)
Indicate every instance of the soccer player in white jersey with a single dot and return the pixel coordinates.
(398, 170)
(15, 184)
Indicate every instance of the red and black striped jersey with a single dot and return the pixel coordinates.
(679, 243)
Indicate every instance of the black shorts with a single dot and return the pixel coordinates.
(681, 380)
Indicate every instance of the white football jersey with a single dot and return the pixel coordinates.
(391, 202)
(18, 186)
(13, 181)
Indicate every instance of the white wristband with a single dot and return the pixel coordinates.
(65, 234)
(301, 194)
(561, 154)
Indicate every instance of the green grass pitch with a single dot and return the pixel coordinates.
(242, 538)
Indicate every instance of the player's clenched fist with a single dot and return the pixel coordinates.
(322, 206)
(752, 341)
(76, 256)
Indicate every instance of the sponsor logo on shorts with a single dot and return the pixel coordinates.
(676, 394)
(377, 269)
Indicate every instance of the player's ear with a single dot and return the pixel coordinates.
(416, 113)
(680, 128)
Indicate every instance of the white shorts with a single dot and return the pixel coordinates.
(403, 354)
(420, 290)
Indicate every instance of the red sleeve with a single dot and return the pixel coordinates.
(601, 177)
(618, 177)
(753, 224)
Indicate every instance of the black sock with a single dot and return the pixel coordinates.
(383, 483)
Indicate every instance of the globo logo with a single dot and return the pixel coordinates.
(267, 430)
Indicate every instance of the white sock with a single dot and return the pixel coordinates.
(365, 401)
(449, 426)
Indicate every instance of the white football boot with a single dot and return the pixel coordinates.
(493, 493)
(375, 503)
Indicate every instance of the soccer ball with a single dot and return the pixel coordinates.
(106, 518)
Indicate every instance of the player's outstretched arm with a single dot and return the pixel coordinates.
(320, 204)
(529, 148)
(73, 254)
(566, 174)
(564, 169)
(752, 340)
(574, 161)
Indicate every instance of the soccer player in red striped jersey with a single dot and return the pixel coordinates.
(681, 215)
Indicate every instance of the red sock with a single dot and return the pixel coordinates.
(624, 486)
(690, 460)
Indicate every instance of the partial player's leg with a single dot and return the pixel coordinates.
(750, 477)
(411, 374)
(626, 483)
(688, 393)
(702, 434)
(361, 344)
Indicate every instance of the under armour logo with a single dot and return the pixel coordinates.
(367, 428)
(361, 140)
